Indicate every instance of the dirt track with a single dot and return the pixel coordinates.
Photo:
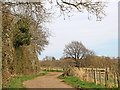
(49, 80)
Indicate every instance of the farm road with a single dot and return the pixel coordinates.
(49, 80)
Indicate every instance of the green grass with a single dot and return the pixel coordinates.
(78, 83)
(17, 82)
(53, 70)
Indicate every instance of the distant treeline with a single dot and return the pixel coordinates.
(94, 61)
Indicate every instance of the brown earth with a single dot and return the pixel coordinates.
(49, 80)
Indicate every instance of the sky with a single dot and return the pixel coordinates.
(98, 36)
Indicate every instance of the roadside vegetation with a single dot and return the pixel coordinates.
(17, 82)
(25, 35)
(78, 83)
(52, 70)
(85, 64)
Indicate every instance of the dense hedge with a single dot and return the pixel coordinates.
(21, 33)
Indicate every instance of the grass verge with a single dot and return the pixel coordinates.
(17, 82)
(78, 83)
(53, 70)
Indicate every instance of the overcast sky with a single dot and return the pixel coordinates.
(99, 36)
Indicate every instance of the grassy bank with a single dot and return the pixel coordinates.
(78, 83)
(53, 70)
(17, 82)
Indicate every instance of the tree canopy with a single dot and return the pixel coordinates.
(67, 7)
(39, 12)
(77, 51)
(35, 31)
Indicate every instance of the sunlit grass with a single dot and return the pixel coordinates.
(79, 83)
(17, 82)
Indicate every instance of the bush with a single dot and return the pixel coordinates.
(21, 33)
(52, 70)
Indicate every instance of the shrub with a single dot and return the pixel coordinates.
(21, 33)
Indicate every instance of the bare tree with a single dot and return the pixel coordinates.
(39, 13)
(77, 51)
(47, 58)
(67, 7)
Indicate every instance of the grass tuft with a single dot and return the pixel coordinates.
(17, 82)
(79, 83)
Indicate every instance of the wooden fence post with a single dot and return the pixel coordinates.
(90, 75)
(87, 75)
(106, 78)
(100, 77)
(118, 79)
(95, 76)
(115, 79)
